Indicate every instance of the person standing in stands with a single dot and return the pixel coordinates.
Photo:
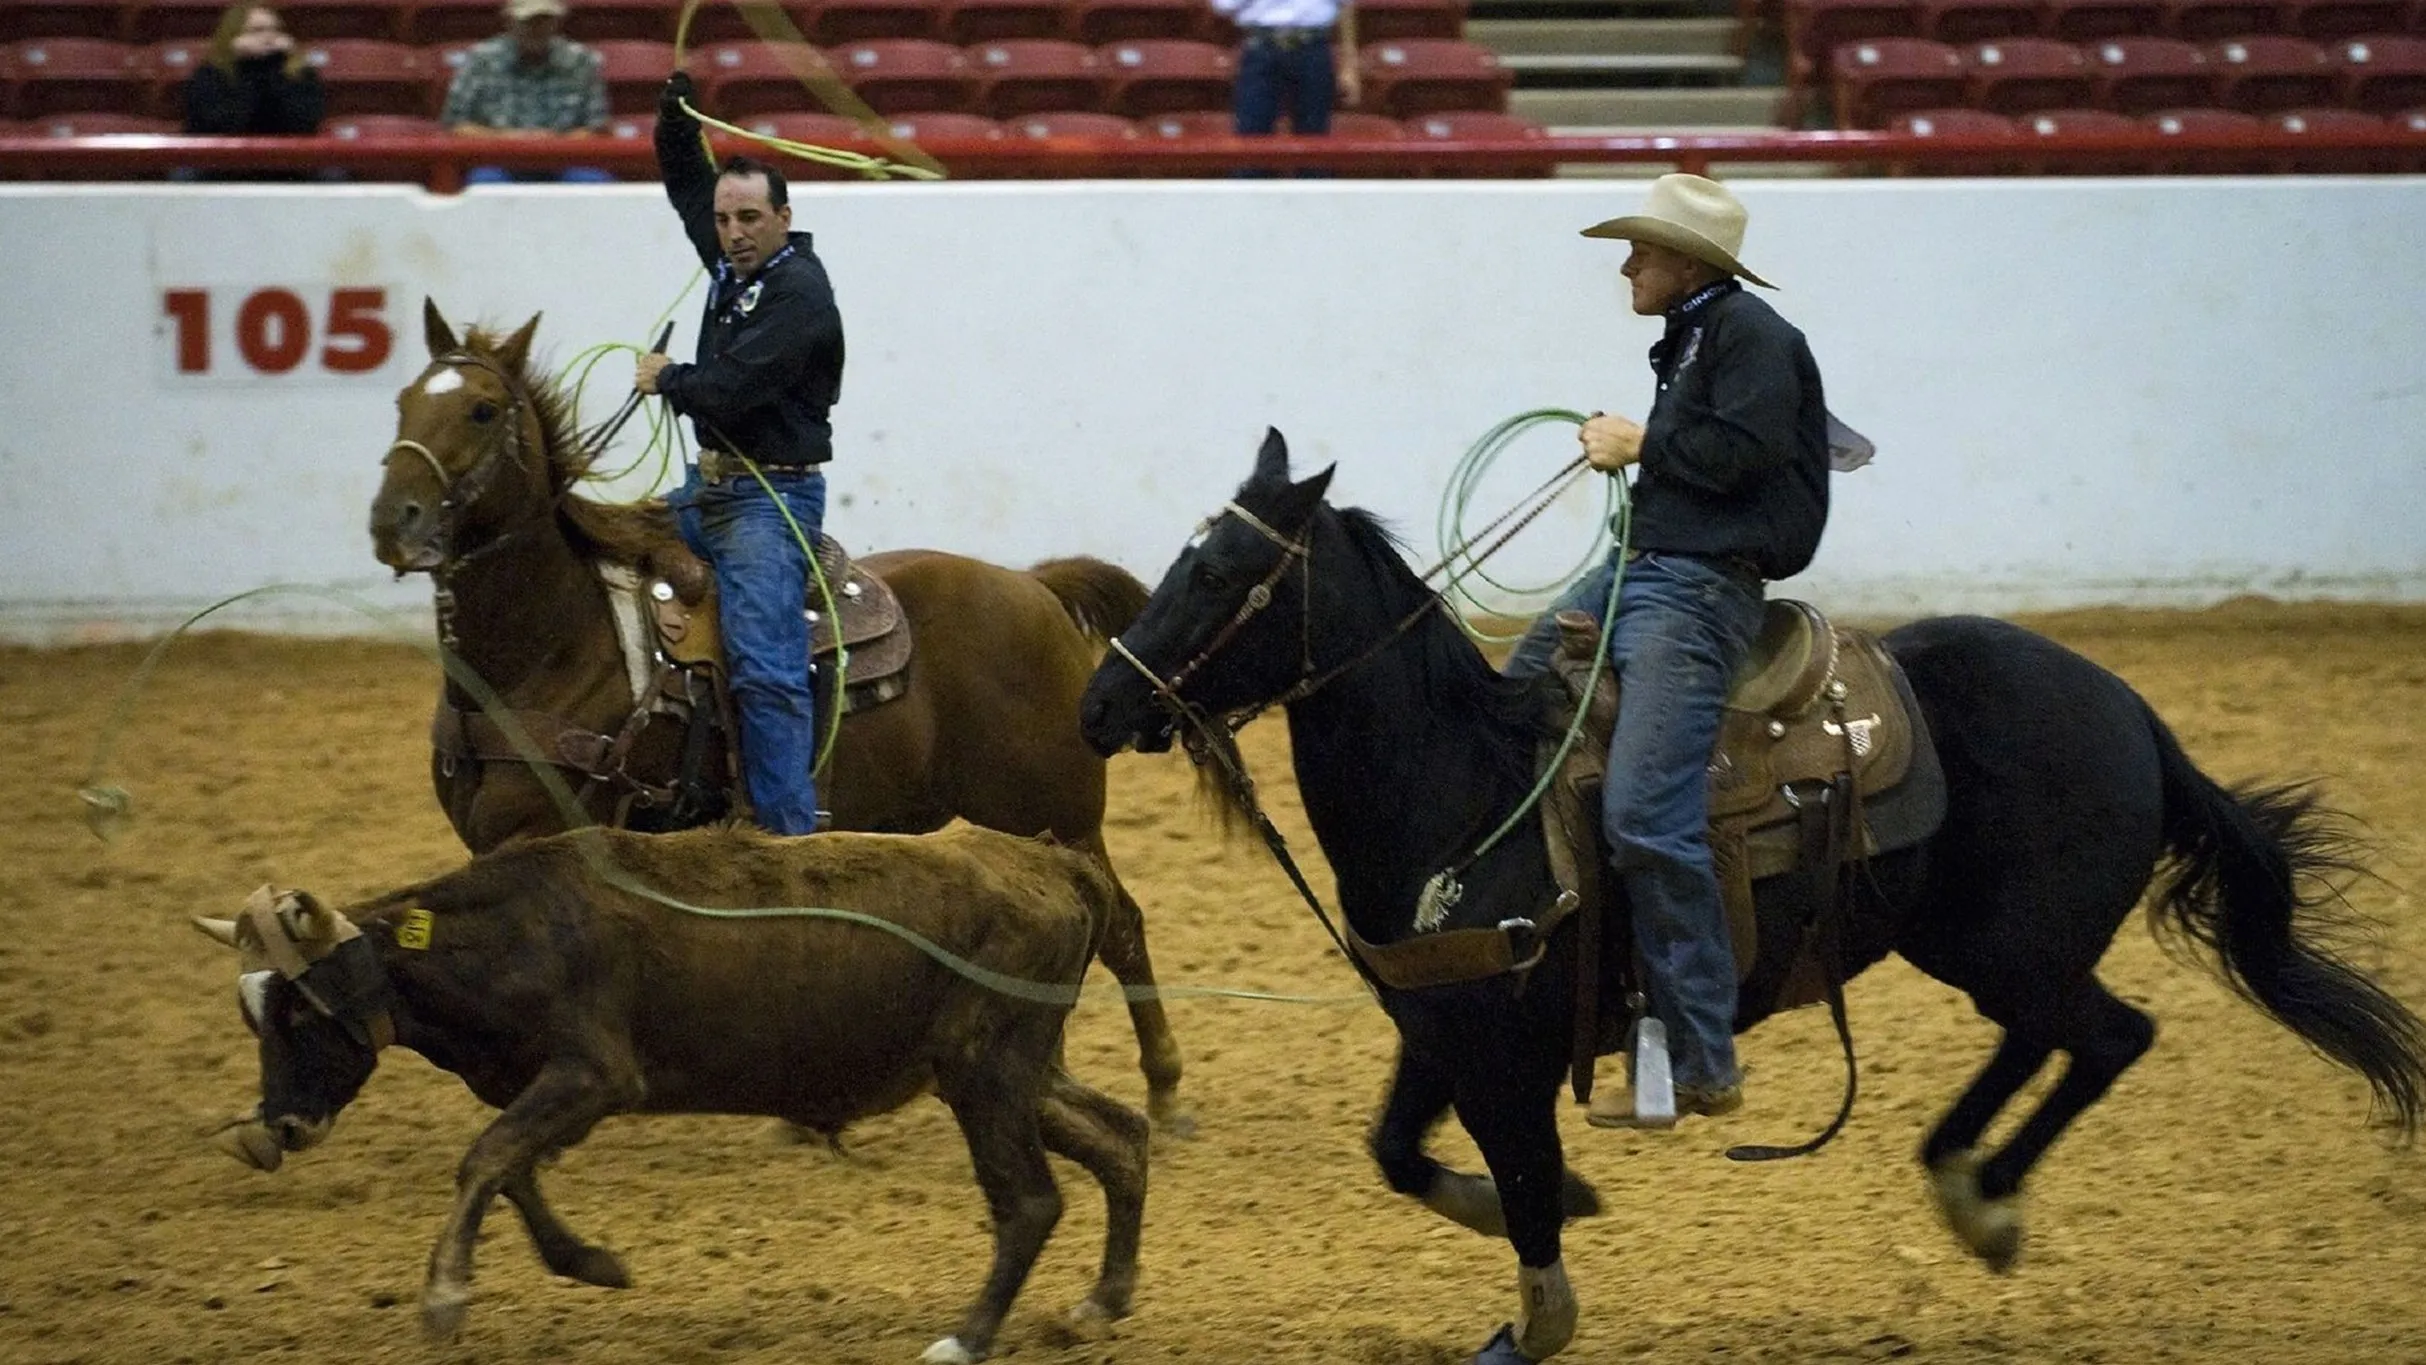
(1295, 54)
(767, 373)
(254, 81)
(529, 79)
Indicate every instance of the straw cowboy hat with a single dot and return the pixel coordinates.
(1691, 214)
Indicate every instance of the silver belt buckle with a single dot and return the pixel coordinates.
(711, 466)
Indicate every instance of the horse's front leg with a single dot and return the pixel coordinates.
(556, 1110)
(1420, 1093)
(1514, 1120)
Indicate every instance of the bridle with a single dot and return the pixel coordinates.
(458, 491)
(1295, 551)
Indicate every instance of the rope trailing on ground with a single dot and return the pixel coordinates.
(109, 807)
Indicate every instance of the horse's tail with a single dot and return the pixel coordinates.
(1102, 599)
(2254, 880)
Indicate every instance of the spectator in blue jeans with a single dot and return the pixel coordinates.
(529, 79)
(1293, 55)
(768, 371)
(1730, 489)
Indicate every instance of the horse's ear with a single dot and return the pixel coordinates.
(1272, 462)
(434, 331)
(1315, 487)
(517, 348)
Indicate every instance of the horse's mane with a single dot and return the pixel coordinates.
(620, 532)
(1457, 679)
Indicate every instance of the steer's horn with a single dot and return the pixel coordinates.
(224, 930)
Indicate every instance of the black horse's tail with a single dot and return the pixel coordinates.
(2254, 879)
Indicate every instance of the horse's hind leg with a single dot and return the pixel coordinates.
(559, 1247)
(996, 1103)
(1124, 953)
(1980, 1197)
(1109, 1140)
(1419, 1095)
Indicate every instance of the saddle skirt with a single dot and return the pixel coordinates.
(865, 626)
(1812, 702)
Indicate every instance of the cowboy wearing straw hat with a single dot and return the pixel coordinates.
(1730, 490)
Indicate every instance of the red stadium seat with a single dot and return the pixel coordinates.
(905, 75)
(2025, 75)
(1097, 22)
(2263, 73)
(164, 67)
(149, 21)
(1030, 75)
(821, 130)
(1880, 78)
(740, 79)
(2068, 122)
(366, 76)
(635, 70)
(313, 21)
(2178, 122)
(943, 126)
(357, 126)
(54, 75)
(1427, 75)
(99, 123)
(2080, 21)
(1458, 125)
(968, 22)
(1972, 21)
(1381, 21)
(632, 127)
(2383, 73)
(1165, 75)
(2142, 75)
(2324, 21)
(640, 21)
(1191, 124)
(2415, 121)
(1071, 123)
(1370, 127)
(2331, 161)
(1816, 28)
(836, 22)
(2202, 21)
(63, 19)
(1965, 123)
(429, 23)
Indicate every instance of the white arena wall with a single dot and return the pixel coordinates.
(2083, 391)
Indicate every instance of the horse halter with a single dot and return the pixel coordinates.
(457, 491)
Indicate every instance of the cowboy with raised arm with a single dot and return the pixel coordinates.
(1730, 490)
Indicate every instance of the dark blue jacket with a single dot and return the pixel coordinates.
(769, 363)
(1735, 451)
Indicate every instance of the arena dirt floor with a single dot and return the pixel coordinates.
(2227, 1203)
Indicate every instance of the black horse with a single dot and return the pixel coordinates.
(2066, 796)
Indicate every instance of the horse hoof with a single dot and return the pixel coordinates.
(598, 1266)
(1171, 1118)
(1576, 1197)
(1092, 1320)
(786, 1134)
(1501, 1350)
(949, 1351)
(1991, 1228)
(442, 1312)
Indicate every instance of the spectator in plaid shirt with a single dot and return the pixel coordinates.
(530, 79)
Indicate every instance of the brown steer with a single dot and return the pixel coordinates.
(560, 993)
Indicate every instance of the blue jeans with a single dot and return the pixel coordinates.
(1299, 76)
(1684, 626)
(762, 583)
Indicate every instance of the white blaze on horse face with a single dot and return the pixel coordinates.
(445, 381)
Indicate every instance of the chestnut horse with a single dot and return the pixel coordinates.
(478, 493)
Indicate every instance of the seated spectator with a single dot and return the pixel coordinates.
(529, 79)
(254, 81)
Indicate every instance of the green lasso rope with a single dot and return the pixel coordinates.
(109, 806)
(1465, 479)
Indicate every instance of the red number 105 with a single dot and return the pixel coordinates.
(274, 330)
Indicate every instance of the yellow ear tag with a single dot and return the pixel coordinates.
(413, 931)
